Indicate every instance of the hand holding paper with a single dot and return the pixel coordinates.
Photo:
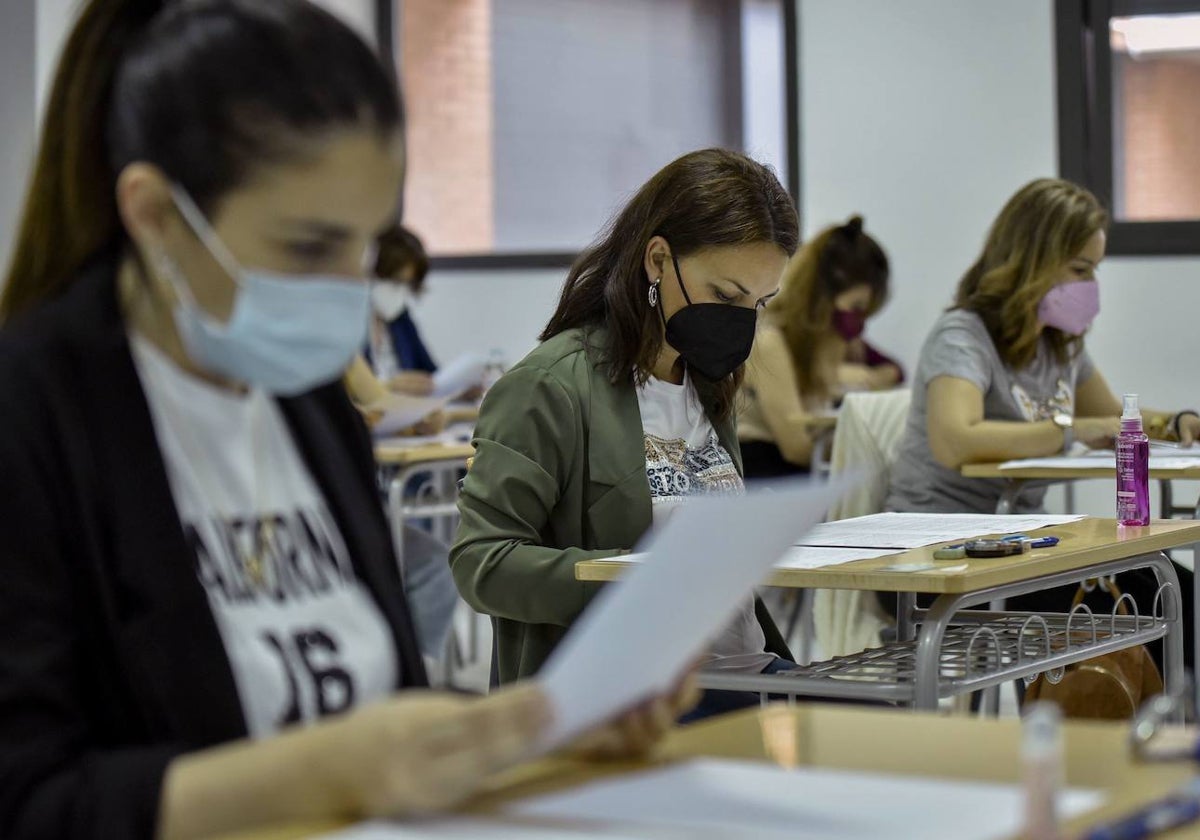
(627, 647)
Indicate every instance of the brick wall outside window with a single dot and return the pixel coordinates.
(1160, 121)
(446, 68)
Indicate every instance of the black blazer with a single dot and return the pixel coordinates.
(111, 663)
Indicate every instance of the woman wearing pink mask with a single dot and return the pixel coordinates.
(1004, 374)
(810, 351)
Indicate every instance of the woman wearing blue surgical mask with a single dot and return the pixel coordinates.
(202, 628)
(626, 409)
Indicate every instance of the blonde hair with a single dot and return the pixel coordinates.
(835, 260)
(1041, 229)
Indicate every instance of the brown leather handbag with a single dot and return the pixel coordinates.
(1109, 687)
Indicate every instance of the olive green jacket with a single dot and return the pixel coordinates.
(559, 476)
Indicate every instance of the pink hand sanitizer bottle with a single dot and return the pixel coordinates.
(1133, 467)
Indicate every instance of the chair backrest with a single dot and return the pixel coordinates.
(870, 427)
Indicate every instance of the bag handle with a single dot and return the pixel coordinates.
(1107, 584)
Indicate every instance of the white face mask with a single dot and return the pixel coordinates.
(286, 334)
(390, 299)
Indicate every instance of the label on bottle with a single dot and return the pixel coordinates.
(1133, 495)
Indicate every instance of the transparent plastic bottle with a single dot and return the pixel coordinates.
(1133, 467)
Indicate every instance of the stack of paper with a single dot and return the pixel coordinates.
(914, 530)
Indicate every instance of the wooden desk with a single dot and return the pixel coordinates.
(457, 412)
(1017, 477)
(396, 454)
(1082, 544)
(874, 740)
(937, 651)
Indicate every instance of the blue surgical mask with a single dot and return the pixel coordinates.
(286, 334)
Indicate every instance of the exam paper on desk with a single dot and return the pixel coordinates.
(899, 531)
(796, 557)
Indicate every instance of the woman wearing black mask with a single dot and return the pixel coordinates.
(626, 407)
(811, 350)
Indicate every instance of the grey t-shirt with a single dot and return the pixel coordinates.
(960, 346)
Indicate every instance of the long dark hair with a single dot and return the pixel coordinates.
(207, 90)
(704, 199)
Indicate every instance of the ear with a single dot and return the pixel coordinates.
(656, 258)
(145, 206)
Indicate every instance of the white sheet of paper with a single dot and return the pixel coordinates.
(723, 798)
(402, 411)
(796, 557)
(1169, 459)
(816, 557)
(462, 374)
(627, 647)
(913, 530)
(474, 828)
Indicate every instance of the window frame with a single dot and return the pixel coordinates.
(1085, 117)
(386, 15)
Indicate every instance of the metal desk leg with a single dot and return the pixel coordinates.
(906, 604)
(1166, 499)
(1012, 487)
(929, 647)
(1174, 677)
(396, 520)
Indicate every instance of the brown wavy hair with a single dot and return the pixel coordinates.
(837, 259)
(705, 199)
(1041, 229)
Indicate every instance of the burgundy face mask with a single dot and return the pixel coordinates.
(849, 324)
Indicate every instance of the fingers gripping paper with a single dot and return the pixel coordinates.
(639, 635)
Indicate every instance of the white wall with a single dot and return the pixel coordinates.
(925, 116)
(17, 104)
(486, 310)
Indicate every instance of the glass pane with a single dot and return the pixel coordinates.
(1156, 117)
(530, 121)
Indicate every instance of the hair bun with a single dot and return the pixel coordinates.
(853, 227)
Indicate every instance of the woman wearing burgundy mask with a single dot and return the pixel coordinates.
(1004, 374)
(810, 350)
(626, 409)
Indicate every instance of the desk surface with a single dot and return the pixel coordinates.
(459, 412)
(1084, 470)
(877, 740)
(394, 453)
(1082, 544)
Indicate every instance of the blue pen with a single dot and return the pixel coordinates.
(1034, 542)
(1180, 807)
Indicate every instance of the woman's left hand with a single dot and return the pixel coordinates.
(635, 733)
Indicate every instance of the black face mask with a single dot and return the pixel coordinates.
(714, 339)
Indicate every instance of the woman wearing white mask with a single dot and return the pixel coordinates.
(1005, 374)
(197, 571)
(394, 359)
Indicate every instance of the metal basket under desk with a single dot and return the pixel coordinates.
(978, 649)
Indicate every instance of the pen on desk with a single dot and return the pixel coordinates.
(1180, 807)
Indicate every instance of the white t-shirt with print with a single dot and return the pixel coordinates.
(684, 457)
(304, 637)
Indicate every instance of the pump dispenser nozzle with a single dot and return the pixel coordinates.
(1129, 409)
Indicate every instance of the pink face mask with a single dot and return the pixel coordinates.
(1071, 307)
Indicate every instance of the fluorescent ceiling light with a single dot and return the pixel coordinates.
(1156, 34)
